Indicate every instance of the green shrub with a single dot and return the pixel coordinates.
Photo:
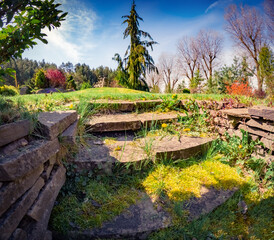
(85, 85)
(8, 90)
(40, 80)
(71, 83)
(186, 90)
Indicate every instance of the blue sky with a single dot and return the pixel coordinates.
(93, 32)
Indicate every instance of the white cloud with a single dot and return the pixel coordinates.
(213, 5)
(72, 40)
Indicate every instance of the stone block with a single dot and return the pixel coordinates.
(41, 209)
(239, 113)
(69, 135)
(210, 199)
(261, 124)
(254, 137)
(11, 219)
(262, 111)
(19, 234)
(13, 131)
(268, 143)
(8, 149)
(20, 164)
(46, 198)
(13, 190)
(48, 235)
(257, 131)
(51, 124)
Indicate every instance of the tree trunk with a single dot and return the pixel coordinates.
(260, 80)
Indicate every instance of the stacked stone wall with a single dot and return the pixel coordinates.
(257, 121)
(31, 174)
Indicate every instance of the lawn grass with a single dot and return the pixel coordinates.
(119, 94)
(35, 103)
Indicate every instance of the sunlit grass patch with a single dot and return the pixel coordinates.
(180, 184)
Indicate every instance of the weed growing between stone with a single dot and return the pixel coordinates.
(12, 111)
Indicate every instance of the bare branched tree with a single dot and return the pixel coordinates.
(188, 56)
(168, 72)
(153, 80)
(269, 12)
(246, 26)
(210, 45)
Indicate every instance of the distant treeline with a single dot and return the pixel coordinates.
(82, 73)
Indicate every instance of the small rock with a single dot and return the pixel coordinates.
(98, 143)
(95, 204)
(242, 207)
(159, 208)
(73, 225)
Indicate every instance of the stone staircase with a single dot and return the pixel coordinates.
(114, 141)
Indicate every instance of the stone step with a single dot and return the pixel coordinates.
(51, 124)
(103, 154)
(127, 106)
(126, 122)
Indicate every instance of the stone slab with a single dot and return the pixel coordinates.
(13, 190)
(9, 148)
(262, 111)
(183, 148)
(136, 222)
(20, 164)
(126, 122)
(45, 201)
(257, 131)
(19, 234)
(147, 104)
(240, 113)
(41, 209)
(13, 131)
(51, 124)
(113, 123)
(150, 119)
(124, 149)
(69, 135)
(122, 106)
(268, 143)
(261, 124)
(210, 199)
(11, 219)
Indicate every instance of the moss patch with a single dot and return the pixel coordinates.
(100, 202)
(181, 184)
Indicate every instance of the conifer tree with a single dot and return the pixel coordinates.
(137, 61)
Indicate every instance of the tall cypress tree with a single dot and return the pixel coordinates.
(132, 69)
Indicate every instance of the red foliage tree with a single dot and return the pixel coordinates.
(56, 78)
(239, 88)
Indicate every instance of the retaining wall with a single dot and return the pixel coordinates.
(31, 174)
(257, 121)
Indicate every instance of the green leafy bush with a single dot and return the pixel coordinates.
(71, 83)
(8, 90)
(40, 80)
(85, 85)
(186, 90)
